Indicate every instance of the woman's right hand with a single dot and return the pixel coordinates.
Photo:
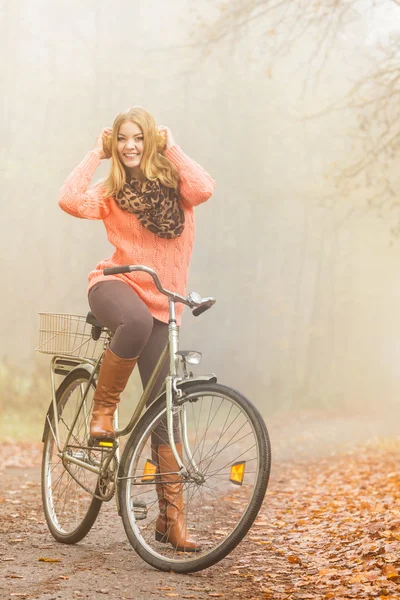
(102, 148)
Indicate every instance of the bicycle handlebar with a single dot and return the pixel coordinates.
(116, 270)
(194, 301)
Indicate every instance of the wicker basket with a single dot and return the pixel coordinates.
(68, 335)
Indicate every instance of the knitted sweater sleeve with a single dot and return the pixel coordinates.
(195, 186)
(75, 197)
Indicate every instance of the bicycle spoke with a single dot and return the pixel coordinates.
(207, 427)
(67, 501)
(230, 461)
(206, 502)
(223, 433)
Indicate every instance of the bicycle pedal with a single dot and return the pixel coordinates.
(139, 510)
(106, 444)
(93, 443)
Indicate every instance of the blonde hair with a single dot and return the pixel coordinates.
(154, 165)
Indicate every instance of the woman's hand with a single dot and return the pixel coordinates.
(168, 136)
(99, 147)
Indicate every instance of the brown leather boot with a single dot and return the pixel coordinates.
(170, 525)
(113, 377)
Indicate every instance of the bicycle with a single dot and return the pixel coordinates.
(223, 469)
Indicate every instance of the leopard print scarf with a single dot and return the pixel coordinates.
(155, 205)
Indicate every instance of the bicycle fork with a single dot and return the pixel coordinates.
(172, 391)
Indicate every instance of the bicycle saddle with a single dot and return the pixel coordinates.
(91, 319)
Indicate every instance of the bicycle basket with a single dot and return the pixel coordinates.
(68, 335)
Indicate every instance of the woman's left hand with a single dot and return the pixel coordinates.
(168, 136)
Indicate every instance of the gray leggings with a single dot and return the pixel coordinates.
(136, 333)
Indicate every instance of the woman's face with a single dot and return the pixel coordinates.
(130, 144)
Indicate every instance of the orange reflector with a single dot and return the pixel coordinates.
(149, 471)
(237, 473)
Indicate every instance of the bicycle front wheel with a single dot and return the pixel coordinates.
(217, 500)
(67, 488)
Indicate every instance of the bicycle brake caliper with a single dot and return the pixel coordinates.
(177, 391)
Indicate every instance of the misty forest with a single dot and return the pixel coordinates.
(293, 107)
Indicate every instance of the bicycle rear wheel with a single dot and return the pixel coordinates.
(67, 489)
(230, 446)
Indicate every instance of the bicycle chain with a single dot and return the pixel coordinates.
(108, 480)
(98, 493)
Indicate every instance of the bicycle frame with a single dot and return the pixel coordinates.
(171, 389)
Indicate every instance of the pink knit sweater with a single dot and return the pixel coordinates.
(133, 243)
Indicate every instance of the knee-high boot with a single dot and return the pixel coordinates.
(170, 525)
(113, 377)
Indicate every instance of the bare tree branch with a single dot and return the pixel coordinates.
(374, 98)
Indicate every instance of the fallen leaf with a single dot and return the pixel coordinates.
(389, 571)
(50, 560)
(391, 557)
(358, 578)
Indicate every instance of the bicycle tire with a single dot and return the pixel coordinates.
(131, 454)
(78, 532)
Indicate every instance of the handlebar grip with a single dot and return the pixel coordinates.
(116, 270)
(202, 308)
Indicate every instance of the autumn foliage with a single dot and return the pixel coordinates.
(329, 529)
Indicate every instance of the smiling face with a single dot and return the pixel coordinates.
(130, 145)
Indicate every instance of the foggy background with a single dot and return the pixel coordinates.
(307, 279)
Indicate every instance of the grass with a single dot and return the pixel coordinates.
(25, 396)
(23, 400)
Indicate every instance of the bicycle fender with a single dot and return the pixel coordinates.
(87, 367)
(209, 378)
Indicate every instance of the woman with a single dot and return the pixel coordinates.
(146, 204)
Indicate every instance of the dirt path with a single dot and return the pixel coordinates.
(103, 564)
(329, 528)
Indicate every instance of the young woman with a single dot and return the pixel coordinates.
(146, 204)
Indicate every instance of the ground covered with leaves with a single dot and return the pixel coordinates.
(329, 528)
